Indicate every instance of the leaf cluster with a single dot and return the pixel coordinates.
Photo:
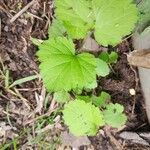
(66, 71)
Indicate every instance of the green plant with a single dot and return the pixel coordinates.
(144, 22)
(67, 71)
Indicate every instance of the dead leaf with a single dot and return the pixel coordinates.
(90, 45)
(134, 137)
(75, 142)
(140, 58)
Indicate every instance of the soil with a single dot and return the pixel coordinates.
(18, 55)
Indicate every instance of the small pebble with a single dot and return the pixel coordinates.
(132, 92)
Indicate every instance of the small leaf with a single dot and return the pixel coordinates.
(82, 118)
(102, 68)
(113, 115)
(109, 58)
(104, 56)
(113, 57)
(101, 100)
(61, 96)
(56, 29)
(92, 85)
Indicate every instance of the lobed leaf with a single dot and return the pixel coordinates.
(111, 20)
(82, 118)
(113, 115)
(61, 96)
(61, 69)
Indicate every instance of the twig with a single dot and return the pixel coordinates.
(113, 140)
(34, 16)
(39, 117)
(22, 11)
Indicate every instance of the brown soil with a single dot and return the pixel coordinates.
(19, 55)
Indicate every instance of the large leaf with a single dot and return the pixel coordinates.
(115, 19)
(111, 19)
(82, 118)
(144, 8)
(62, 69)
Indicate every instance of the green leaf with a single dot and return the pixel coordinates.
(100, 100)
(87, 99)
(115, 19)
(104, 56)
(102, 68)
(111, 20)
(109, 58)
(82, 118)
(113, 115)
(62, 69)
(92, 85)
(76, 16)
(144, 8)
(56, 29)
(61, 96)
(113, 57)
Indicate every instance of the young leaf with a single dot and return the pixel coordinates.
(86, 15)
(109, 58)
(61, 96)
(113, 115)
(100, 100)
(82, 118)
(62, 69)
(102, 68)
(104, 56)
(56, 29)
(113, 56)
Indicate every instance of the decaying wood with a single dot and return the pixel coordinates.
(140, 58)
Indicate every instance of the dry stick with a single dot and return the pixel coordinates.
(22, 11)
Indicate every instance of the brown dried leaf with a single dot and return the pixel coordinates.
(90, 45)
(75, 142)
(140, 58)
